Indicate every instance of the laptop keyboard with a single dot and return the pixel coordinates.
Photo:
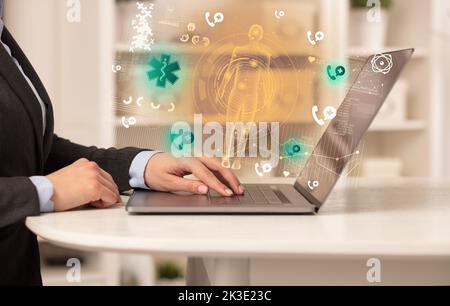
(254, 194)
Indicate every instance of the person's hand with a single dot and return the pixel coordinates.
(166, 173)
(82, 183)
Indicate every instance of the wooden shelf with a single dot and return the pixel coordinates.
(187, 49)
(420, 53)
(172, 48)
(168, 121)
(407, 126)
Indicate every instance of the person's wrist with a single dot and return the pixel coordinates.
(54, 197)
(150, 167)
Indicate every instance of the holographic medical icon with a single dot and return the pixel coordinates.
(154, 106)
(182, 139)
(241, 92)
(312, 59)
(312, 185)
(329, 114)
(191, 27)
(188, 138)
(172, 108)
(143, 38)
(293, 148)
(218, 18)
(116, 68)
(128, 122)
(163, 71)
(128, 101)
(195, 40)
(279, 14)
(338, 72)
(319, 36)
(382, 63)
(205, 42)
(184, 38)
(263, 169)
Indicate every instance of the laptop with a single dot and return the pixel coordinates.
(322, 170)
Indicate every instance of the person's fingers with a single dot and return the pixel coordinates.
(108, 182)
(229, 177)
(101, 204)
(110, 186)
(175, 183)
(205, 175)
(108, 177)
(98, 192)
(108, 197)
(100, 175)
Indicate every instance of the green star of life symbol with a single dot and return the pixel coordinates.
(163, 71)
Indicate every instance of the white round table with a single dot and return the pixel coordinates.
(404, 220)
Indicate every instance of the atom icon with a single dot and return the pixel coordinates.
(382, 63)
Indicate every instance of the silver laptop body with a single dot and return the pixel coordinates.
(341, 139)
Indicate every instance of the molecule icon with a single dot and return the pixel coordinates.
(382, 63)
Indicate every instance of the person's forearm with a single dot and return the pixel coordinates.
(116, 162)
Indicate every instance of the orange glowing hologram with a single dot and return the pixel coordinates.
(245, 73)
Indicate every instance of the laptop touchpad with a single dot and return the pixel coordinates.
(149, 199)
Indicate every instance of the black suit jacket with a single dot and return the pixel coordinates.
(25, 152)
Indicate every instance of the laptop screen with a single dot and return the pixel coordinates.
(355, 115)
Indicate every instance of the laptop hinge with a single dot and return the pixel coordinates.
(307, 195)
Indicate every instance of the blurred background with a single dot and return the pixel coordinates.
(89, 71)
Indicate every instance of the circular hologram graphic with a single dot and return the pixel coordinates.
(237, 80)
(382, 63)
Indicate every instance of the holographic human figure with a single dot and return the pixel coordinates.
(244, 80)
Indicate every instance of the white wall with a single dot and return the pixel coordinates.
(33, 24)
(74, 61)
(446, 72)
(447, 111)
(440, 82)
(86, 51)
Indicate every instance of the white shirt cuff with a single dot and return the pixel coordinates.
(137, 169)
(45, 192)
